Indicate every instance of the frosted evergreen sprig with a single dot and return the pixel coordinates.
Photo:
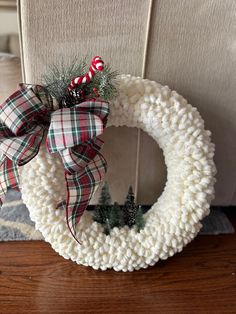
(59, 76)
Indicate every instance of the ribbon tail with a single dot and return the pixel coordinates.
(9, 177)
(80, 189)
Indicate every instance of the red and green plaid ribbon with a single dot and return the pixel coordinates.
(72, 132)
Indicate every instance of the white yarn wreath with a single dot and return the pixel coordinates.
(171, 223)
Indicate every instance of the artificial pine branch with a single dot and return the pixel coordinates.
(59, 76)
(105, 82)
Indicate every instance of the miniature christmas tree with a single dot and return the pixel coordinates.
(130, 208)
(116, 216)
(105, 197)
(139, 220)
(102, 210)
(107, 227)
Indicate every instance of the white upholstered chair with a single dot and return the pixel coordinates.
(188, 45)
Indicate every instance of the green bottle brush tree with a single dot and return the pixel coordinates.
(114, 215)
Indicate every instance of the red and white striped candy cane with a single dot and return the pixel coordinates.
(96, 65)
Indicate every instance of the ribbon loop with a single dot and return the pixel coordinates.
(70, 127)
(23, 148)
(99, 108)
(18, 111)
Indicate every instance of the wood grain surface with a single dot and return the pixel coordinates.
(201, 279)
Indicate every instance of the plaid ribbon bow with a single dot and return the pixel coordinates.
(72, 132)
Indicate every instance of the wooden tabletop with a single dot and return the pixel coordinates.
(201, 279)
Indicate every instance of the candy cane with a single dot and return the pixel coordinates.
(96, 65)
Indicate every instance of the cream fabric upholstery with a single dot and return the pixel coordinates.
(188, 45)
